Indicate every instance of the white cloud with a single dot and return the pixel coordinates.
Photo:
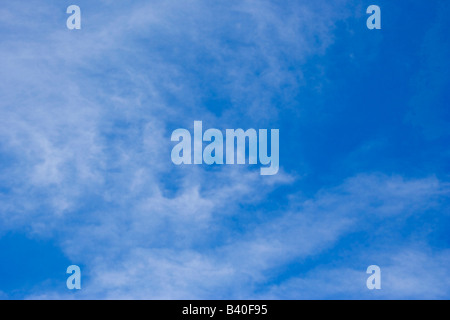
(83, 116)
(415, 273)
(188, 259)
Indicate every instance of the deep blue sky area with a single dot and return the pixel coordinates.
(86, 175)
(26, 262)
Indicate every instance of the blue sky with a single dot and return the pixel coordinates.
(86, 176)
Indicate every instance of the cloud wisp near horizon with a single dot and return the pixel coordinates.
(86, 176)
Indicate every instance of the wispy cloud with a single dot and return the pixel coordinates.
(410, 273)
(193, 259)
